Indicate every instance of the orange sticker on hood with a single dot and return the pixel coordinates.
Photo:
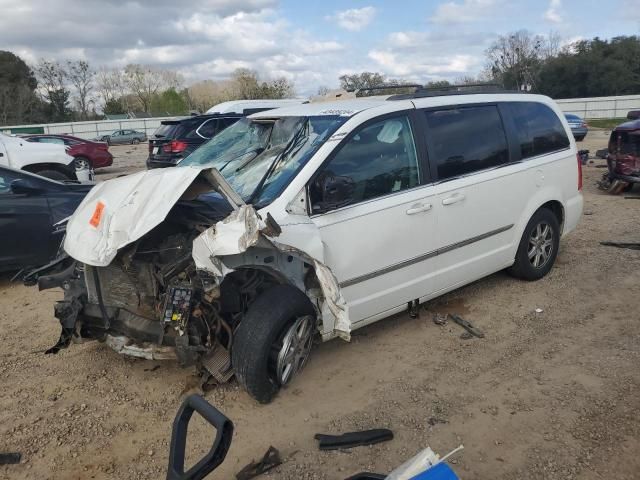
(97, 215)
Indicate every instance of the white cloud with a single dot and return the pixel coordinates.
(354, 19)
(427, 56)
(464, 11)
(552, 14)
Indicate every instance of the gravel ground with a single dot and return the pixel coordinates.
(549, 395)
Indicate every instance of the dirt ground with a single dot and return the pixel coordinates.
(549, 395)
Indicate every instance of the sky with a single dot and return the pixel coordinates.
(310, 43)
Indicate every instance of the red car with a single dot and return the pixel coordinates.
(96, 153)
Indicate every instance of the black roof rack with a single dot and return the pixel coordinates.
(386, 87)
(467, 89)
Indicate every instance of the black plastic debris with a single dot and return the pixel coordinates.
(10, 458)
(270, 460)
(468, 326)
(353, 439)
(630, 246)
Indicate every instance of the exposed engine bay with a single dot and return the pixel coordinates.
(158, 298)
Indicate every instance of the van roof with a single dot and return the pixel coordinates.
(344, 108)
(239, 106)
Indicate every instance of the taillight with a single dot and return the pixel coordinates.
(103, 146)
(579, 172)
(175, 146)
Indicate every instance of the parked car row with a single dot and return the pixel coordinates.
(121, 137)
(313, 221)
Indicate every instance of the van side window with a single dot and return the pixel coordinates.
(465, 140)
(377, 160)
(539, 129)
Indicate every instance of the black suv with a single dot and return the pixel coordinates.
(175, 139)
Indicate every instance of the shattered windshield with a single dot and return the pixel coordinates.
(258, 157)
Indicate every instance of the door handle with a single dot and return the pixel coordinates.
(455, 198)
(419, 207)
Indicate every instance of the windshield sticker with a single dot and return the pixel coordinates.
(337, 136)
(342, 113)
(97, 215)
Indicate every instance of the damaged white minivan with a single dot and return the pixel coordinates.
(315, 220)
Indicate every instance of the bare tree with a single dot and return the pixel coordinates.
(144, 82)
(52, 81)
(515, 59)
(81, 77)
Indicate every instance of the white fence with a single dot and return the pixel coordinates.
(596, 107)
(600, 107)
(96, 128)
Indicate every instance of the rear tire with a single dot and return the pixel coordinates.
(53, 175)
(135, 141)
(538, 247)
(262, 336)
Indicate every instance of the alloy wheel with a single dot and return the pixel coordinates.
(540, 245)
(295, 350)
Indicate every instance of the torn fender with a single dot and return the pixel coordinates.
(243, 229)
(119, 211)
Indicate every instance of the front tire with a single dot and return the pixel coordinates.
(538, 247)
(273, 341)
(135, 141)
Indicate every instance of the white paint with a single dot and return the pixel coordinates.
(239, 106)
(18, 153)
(133, 205)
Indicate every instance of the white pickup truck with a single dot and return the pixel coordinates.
(45, 159)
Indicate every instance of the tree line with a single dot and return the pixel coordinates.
(52, 91)
(541, 64)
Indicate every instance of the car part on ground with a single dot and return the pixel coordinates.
(353, 439)
(623, 159)
(33, 213)
(467, 325)
(270, 460)
(629, 245)
(177, 450)
(426, 465)
(10, 458)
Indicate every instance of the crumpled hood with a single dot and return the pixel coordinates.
(118, 212)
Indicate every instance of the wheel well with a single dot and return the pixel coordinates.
(38, 167)
(557, 209)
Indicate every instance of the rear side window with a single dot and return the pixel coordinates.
(539, 130)
(207, 129)
(465, 140)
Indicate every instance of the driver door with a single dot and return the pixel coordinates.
(25, 226)
(375, 214)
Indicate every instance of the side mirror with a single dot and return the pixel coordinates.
(25, 186)
(219, 449)
(332, 191)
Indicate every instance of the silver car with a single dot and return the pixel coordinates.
(579, 127)
(119, 137)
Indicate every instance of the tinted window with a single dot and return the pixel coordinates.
(539, 129)
(207, 129)
(58, 141)
(170, 130)
(379, 159)
(465, 140)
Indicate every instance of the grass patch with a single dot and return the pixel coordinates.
(606, 122)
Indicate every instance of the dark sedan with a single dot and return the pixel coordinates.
(31, 209)
(579, 127)
(96, 154)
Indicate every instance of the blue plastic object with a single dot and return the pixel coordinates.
(441, 471)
